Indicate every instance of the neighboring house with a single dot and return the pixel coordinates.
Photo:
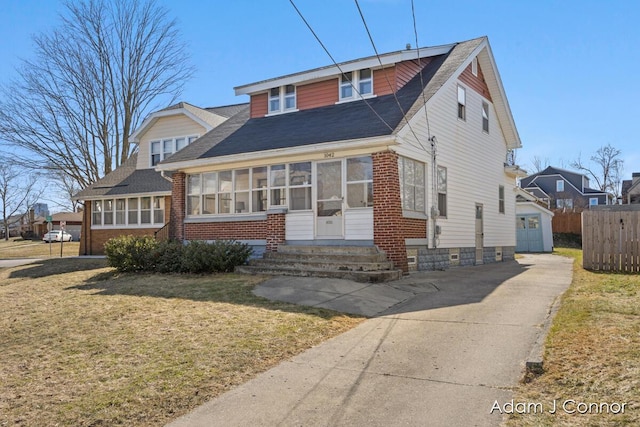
(135, 199)
(406, 152)
(631, 189)
(533, 224)
(72, 224)
(563, 189)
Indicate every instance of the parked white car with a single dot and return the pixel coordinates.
(56, 236)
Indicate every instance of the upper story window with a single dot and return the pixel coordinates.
(356, 84)
(462, 103)
(560, 185)
(485, 117)
(282, 99)
(162, 149)
(593, 201)
(474, 67)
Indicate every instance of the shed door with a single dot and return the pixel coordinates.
(529, 233)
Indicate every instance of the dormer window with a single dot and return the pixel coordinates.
(362, 80)
(282, 99)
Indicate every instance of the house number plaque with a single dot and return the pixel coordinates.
(329, 155)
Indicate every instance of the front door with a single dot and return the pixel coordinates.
(479, 234)
(329, 200)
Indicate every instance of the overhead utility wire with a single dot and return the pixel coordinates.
(404, 116)
(338, 66)
(424, 99)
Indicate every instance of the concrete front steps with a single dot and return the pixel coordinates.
(358, 263)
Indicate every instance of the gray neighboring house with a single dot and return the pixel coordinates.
(563, 189)
(631, 190)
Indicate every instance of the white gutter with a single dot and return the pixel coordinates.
(375, 142)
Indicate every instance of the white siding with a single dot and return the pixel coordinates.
(358, 224)
(299, 226)
(475, 168)
(166, 127)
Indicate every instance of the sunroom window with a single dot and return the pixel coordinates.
(360, 182)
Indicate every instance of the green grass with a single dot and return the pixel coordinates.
(592, 352)
(19, 248)
(82, 345)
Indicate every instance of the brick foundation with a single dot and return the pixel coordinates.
(276, 232)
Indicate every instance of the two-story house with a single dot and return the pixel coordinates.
(631, 190)
(406, 152)
(135, 199)
(563, 189)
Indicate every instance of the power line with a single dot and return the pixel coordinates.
(393, 91)
(338, 66)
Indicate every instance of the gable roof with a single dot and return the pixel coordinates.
(575, 179)
(207, 118)
(366, 118)
(126, 179)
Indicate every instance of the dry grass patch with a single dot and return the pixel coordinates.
(83, 346)
(592, 353)
(18, 248)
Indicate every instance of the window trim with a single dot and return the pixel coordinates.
(281, 98)
(127, 212)
(474, 66)
(442, 191)
(591, 199)
(355, 84)
(501, 199)
(186, 139)
(559, 185)
(462, 103)
(404, 181)
(485, 117)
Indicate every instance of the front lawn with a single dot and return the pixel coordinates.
(82, 345)
(18, 248)
(592, 355)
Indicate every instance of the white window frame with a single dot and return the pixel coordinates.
(560, 185)
(442, 191)
(485, 117)
(365, 185)
(120, 216)
(410, 186)
(168, 146)
(474, 66)
(501, 200)
(281, 99)
(462, 103)
(355, 84)
(592, 200)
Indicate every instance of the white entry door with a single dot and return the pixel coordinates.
(329, 200)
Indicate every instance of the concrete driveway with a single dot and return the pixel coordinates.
(443, 356)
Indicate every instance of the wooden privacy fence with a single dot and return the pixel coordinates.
(611, 239)
(566, 222)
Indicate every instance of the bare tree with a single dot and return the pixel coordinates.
(92, 80)
(538, 164)
(605, 168)
(16, 195)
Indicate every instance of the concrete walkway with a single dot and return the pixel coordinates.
(440, 357)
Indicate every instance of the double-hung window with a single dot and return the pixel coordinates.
(300, 186)
(162, 149)
(356, 84)
(501, 199)
(412, 184)
(442, 191)
(485, 117)
(560, 185)
(282, 99)
(360, 182)
(462, 103)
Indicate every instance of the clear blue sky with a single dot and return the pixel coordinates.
(568, 67)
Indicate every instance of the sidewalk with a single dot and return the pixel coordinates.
(437, 358)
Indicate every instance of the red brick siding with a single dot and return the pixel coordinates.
(238, 230)
(177, 210)
(275, 231)
(476, 83)
(387, 209)
(413, 228)
(317, 94)
(259, 105)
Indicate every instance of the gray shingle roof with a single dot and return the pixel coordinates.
(127, 180)
(377, 116)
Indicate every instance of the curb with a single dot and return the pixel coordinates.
(534, 365)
